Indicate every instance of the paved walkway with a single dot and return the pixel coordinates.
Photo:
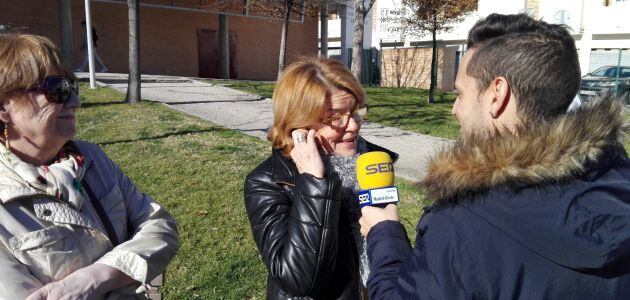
(252, 115)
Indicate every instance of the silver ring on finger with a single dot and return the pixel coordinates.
(300, 139)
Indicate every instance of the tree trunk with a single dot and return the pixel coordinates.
(323, 18)
(133, 86)
(344, 34)
(285, 31)
(224, 46)
(433, 65)
(65, 20)
(357, 45)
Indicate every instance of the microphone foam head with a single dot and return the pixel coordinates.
(375, 170)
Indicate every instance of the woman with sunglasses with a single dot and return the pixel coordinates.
(72, 225)
(302, 201)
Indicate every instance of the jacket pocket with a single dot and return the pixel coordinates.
(49, 253)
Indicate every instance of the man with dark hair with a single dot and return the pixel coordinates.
(517, 47)
(532, 202)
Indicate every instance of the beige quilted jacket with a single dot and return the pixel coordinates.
(44, 240)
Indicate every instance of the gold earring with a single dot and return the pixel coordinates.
(7, 144)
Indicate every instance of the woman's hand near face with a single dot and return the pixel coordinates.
(305, 153)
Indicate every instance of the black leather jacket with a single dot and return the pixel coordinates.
(304, 238)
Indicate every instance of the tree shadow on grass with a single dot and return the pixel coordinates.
(213, 101)
(392, 105)
(162, 136)
(97, 104)
(264, 91)
(412, 118)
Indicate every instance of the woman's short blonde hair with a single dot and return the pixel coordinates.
(25, 61)
(299, 98)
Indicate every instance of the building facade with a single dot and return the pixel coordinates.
(176, 37)
(600, 28)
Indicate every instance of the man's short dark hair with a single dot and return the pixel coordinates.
(539, 61)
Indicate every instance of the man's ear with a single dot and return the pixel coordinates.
(501, 92)
(5, 115)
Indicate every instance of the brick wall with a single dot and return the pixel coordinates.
(411, 67)
(168, 42)
(32, 16)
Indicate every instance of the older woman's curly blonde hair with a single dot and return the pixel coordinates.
(299, 98)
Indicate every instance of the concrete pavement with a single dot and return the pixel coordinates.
(253, 115)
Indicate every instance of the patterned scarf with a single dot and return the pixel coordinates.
(60, 178)
(343, 168)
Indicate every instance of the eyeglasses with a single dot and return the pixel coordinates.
(57, 89)
(341, 120)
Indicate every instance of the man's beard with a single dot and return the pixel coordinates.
(476, 130)
(475, 134)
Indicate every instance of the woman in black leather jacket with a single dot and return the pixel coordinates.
(301, 201)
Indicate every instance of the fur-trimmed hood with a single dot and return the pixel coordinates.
(553, 151)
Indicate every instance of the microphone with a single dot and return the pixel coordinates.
(375, 173)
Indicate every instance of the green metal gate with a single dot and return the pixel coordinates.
(370, 66)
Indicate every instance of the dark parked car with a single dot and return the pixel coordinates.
(604, 80)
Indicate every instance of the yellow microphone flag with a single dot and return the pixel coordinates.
(375, 170)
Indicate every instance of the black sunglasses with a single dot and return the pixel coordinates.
(57, 89)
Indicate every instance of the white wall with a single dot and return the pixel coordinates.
(600, 27)
(487, 7)
(459, 31)
(567, 12)
(384, 9)
(608, 19)
(589, 20)
(335, 27)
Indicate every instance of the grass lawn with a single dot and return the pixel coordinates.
(405, 108)
(260, 88)
(196, 170)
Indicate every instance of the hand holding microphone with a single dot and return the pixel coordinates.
(375, 173)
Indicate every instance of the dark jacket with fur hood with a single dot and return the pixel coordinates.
(304, 237)
(544, 214)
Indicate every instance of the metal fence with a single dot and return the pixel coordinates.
(605, 57)
(370, 66)
(609, 73)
